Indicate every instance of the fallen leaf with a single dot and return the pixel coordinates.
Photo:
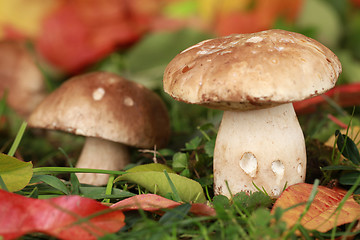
(156, 182)
(156, 203)
(356, 3)
(16, 174)
(156, 167)
(23, 16)
(322, 215)
(261, 16)
(351, 149)
(67, 217)
(79, 33)
(144, 63)
(344, 95)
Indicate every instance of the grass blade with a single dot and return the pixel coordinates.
(109, 188)
(173, 188)
(176, 214)
(52, 181)
(2, 184)
(17, 140)
(3, 103)
(55, 170)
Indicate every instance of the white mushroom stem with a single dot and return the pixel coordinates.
(265, 147)
(101, 154)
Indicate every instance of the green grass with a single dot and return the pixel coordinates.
(242, 217)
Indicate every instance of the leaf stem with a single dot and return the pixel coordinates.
(109, 188)
(54, 170)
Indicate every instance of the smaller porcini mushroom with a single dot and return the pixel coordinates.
(20, 77)
(111, 112)
(254, 78)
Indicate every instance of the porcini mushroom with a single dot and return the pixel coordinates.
(254, 78)
(111, 112)
(20, 77)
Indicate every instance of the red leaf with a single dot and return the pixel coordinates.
(344, 95)
(356, 3)
(80, 32)
(67, 217)
(322, 215)
(156, 203)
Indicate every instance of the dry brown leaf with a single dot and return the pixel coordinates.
(323, 214)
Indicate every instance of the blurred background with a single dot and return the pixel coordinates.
(138, 38)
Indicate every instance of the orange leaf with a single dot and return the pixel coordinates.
(261, 17)
(322, 215)
(67, 217)
(156, 203)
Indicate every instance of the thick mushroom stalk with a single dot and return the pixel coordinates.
(264, 147)
(250, 75)
(99, 153)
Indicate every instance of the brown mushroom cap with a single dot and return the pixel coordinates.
(247, 71)
(21, 77)
(107, 106)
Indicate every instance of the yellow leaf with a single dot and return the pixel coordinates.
(24, 15)
(209, 9)
(323, 214)
(353, 133)
(16, 174)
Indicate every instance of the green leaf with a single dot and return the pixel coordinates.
(2, 184)
(52, 181)
(209, 147)
(181, 9)
(174, 215)
(193, 144)
(261, 218)
(338, 167)
(253, 201)
(156, 182)
(351, 66)
(348, 148)
(99, 193)
(147, 60)
(221, 201)
(349, 178)
(157, 167)
(3, 102)
(180, 161)
(75, 184)
(353, 39)
(221, 204)
(16, 174)
(185, 173)
(321, 16)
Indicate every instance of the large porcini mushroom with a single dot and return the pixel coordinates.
(111, 112)
(20, 77)
(254, 78)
